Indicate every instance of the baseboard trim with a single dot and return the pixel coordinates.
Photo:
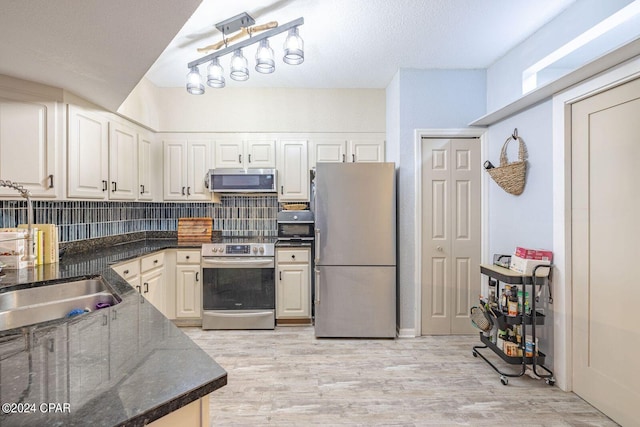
(406, 332)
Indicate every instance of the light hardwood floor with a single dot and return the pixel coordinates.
(287, 377)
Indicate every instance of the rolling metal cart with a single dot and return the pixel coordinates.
(539, 277)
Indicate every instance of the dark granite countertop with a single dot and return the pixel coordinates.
(122, 365)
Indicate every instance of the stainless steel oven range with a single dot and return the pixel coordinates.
(238, 284)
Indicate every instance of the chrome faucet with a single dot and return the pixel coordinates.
(28, 253)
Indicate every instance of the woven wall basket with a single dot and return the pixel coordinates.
(510, 176)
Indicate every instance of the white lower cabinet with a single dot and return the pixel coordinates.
(188, 285)
(146, 274)
(195, 414)
(293, 284)
(152, 279)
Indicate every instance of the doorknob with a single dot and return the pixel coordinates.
(439, 248)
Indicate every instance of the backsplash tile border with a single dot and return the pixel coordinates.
(80, 220)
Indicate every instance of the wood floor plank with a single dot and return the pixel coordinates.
(287, 377)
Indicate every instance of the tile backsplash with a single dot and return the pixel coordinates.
(80, 220)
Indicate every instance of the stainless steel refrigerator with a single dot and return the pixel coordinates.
(355, 266)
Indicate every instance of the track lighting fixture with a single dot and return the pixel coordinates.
(238, 68)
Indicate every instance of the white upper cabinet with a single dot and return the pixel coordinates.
(293, 171)
(88, 147)
(186, 163)
(261, 154)
(244, 154)
(366, 150)
(346, 150)
(123, 162)
(145, 166)
(28, 147)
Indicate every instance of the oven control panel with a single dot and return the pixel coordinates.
(248, 249)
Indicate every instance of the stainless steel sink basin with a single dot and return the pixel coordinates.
(40, 304)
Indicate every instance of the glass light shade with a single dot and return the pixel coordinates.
(264, 58)
(293, 48)
(239, 66)
(215, 74)
(194, 82)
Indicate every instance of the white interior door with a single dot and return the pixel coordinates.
(605, 184)
(450, 234)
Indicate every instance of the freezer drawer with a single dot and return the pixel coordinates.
(355, 302)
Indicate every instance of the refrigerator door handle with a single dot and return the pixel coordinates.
(317, 259)
(317, 291)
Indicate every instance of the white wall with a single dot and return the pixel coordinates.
(504, 77)
(257, 109)
(423, 99)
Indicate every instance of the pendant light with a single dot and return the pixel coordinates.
(293, 48)
(215, 74)
(239, 66)
(194, 82)
(264, 58)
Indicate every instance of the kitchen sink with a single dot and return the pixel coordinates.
(40, 304)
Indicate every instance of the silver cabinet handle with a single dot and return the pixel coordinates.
(50, 181)
(317, 285)
(142, 189)
(239, 158)
(139, 289)
(146, 287)
(280, 274)
(114, 186)
(439, 248)
(188, 191)
(282, 189)
(125, 272)
(105, 320)
(114, 314)
(104, 185)
(183, 190)
(197, 274)
(344, 158)
(249, 158)
(353, 158)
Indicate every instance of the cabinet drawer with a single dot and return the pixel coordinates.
(128, 270)
(188, 257)
(151, 261)
(293, 255)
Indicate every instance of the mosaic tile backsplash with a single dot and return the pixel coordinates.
(80, 220)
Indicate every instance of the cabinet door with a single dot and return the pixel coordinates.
(175, 170)
(88, 154)
(198, 165)
(152, 284)
(261, 154)
(328, 150)
(293, 171)
(293, 297)
(369, 150)
(229, 154)
(27, 147)
(145, 181)
(188, 291)
(123, 162)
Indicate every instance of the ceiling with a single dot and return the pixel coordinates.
(100, 49)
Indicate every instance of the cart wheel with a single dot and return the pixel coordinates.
(475, 354)
(504, 380)
(550, 381)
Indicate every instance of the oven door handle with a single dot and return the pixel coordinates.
(250, 263)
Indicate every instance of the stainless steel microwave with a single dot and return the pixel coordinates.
(242, 180)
